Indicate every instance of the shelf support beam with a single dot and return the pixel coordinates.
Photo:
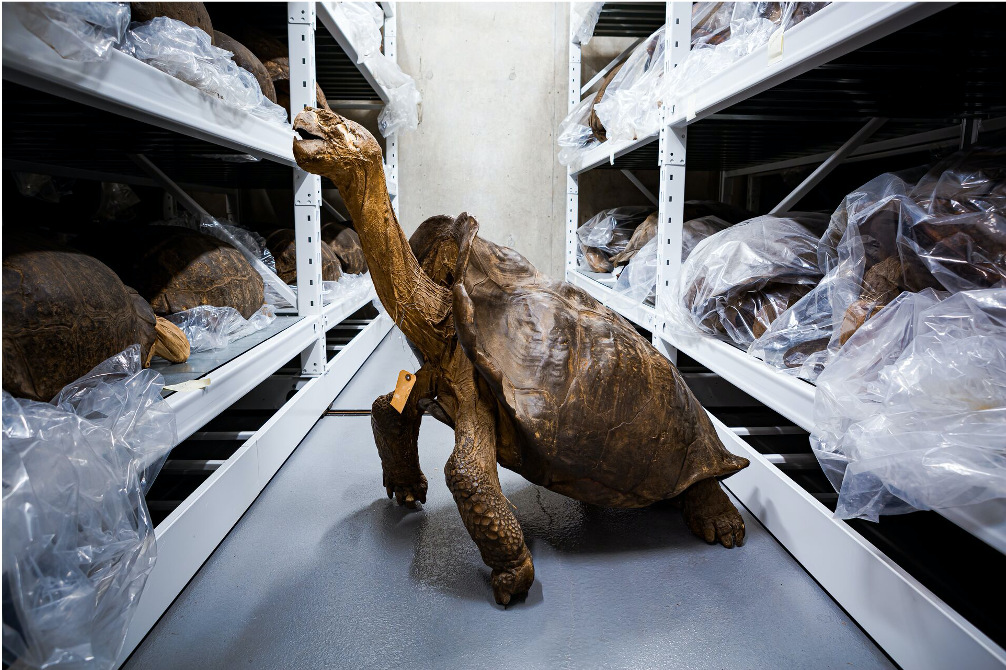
(638, 184)
(825, 168)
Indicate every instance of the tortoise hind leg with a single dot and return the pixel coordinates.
(710, 514)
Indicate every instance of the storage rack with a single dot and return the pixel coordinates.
(743, 107)
(263, 399)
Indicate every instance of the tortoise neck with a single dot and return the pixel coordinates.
(419, 306)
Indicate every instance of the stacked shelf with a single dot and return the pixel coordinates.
(758, 116)
(84, 120)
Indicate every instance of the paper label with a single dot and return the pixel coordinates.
(775, 47)
(189, 386)
(406, 380)
(690, 107)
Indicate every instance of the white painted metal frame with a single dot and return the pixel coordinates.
(125, 86)
(306, 186)
(187, 537)
(915, 627)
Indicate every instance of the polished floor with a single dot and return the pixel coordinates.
(324, 571)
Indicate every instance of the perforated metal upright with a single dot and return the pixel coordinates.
(673, 142)
(306, 187)
(391, 142)
(572, 187)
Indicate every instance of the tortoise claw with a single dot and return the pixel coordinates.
(514, 581)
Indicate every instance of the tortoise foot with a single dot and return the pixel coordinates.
(407, 493)
(710, 514)
(515, 581)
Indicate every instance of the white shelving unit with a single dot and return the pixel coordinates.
(126, 87)
(915, 627)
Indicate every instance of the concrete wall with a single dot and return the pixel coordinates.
(493, 81)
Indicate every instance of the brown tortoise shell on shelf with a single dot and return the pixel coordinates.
(178, 268)
(345, 242)
(249, 61)
(282, 243)
(64, 312)
(190, 13)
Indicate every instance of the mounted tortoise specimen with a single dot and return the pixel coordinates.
(345, 242)
(177, 268)
(532, 373)
(65, 312)
(283, 245)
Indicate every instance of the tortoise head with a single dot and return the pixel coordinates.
(333, 146)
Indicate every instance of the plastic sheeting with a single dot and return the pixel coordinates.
(208, 328)
(722, 33)
(78, 542)
(187, 53)
(630, 107)
(638, 281)
(80, 31)
(945, 229)
(42, 186)
(583, 16)
(607, 233)
(737, 281)
(910, 413)
(362, 22)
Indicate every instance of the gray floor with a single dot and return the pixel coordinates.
(323, 571)
(379, 374)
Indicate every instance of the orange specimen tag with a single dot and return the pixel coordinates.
(406, 380)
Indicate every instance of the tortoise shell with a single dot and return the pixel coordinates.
(191, 13)
(64, 312)
(243, 57)
(588, 408)
(283, 245)
(177, 268)
(345, 242)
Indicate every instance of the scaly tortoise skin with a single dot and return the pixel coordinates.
(532, 374)
(64, 312)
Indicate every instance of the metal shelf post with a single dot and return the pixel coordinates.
(306, 187)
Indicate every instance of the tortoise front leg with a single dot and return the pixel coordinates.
(472, 478)
(397, 438)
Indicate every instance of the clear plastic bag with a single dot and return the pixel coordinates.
(78, 542)
(187, 54)
(575, 135)
(737, 281)
(116, 199)
(401, 112)
(694, 231)
(943, 228)
(208, 328)
(630, 108)
(79, 31)
(638, 281)
(362, 21)
(910, 413)
(607, 233)
(42, 186)
(583, 17)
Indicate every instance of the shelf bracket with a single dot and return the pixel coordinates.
(610, 66)
(638, 184)
(825, 168)
(186, 201)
